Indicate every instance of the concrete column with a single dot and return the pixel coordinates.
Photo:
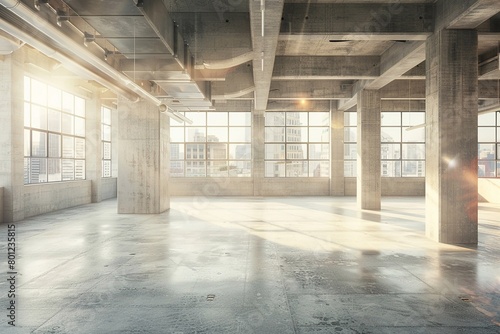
(114, 142)
(368, 181)
(336, 151)
(143, 158)
(451, 137)
(12, 135)
(258, 148)
(93, 146)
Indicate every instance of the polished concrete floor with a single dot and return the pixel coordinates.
(251, 265)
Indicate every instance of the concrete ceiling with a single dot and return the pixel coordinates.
(192, 52)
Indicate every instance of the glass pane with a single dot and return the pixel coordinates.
(498, 168)
(106, 132)
(319, 151)
(38, 93)
(198, 118)
(195, 152)
(414, 151)
(321, 135)
(486, 119)
(350, 169)
(240, 168)
(80, 128)
(274, 135)
(79, 106)
(176, 135)
(38, 170)
(177, 168)
(68, 170)
(27, 169)
(79, 148)
(297, 169)
(217, 134)
(390, 151)
(196, 135)
(27, 88)
(240, 151)
(413, 118)
(67, 124)
(414, 135)
(498, 150)
(486, 134)
(195, 169)
(391, 168)
(27, 143)
(68, 104)
(216, 151)
(350, 151)
(319, 169)
(54, 145)
(391, 118)
(79, 169)
(274, 169)
(296, 151)
(217, 118)
(296, 118)
(217, 169)
(350, 119)
(240, 119)
(54, 98)
(319, 119)
(275, 151)
(27, 115)
(54, 170)
(106, 168)
(498, 118)
(486, 152)
(106, 151)
(39, 117)
(106, 115)
(413, 169)
(295, 135)
(275, 118)
(176, 151)
(39, 144)
(350, 135)
(486, 168)
(242, 135)
(68, 147)
(391, 134)
(54, 120)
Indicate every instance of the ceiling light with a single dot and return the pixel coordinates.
(62, 16)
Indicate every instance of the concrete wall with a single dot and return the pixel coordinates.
(392, 186)
(489, 190)
(108, 188)
(1, 205)
(43, 198)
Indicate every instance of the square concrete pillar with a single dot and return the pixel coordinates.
(93, 146)
(336, 151)
(368, 180)
(12, 135)
(451, 137)
(143, 158)
(258, 151)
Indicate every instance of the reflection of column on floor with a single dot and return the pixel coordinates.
(336, 151)
(451, 149)
(368, 181)
(143, 158)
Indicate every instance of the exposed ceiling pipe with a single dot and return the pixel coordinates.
(226, 63)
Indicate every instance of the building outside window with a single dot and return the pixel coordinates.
(106, 141)
(54, 134)
(350, 144)
(402, 147)
(488, 145)
(297, 144)
(217, 144)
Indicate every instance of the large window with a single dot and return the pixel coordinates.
(489, 146)
(350, 144)
(297, 144)
(54, 134)
(403, 147)
(217, 144)
(106, 141)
